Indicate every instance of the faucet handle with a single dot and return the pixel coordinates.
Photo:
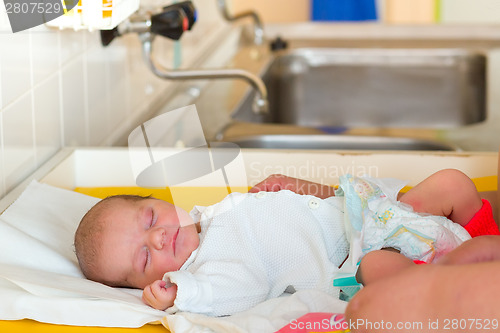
(170, 22)
(189, 10)
(174, 20)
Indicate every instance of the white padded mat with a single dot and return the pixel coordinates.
(39, 274)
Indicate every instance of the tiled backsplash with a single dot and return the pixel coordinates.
(62, 88)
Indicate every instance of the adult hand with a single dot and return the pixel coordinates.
(430, 298)
(277, 182)
(478, 249)
(401, 299)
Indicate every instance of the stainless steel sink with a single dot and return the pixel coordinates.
(369, 87)
(297, 141)
(383, 85)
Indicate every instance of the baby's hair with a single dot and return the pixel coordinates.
(87, 243)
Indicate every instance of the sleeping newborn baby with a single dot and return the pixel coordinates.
(226, 258)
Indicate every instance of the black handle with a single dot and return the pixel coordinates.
(107, 36)
(189, 11)
(174, 20)
(171, 22)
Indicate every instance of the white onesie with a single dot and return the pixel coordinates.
(256, 246)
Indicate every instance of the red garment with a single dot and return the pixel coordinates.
(483, 223)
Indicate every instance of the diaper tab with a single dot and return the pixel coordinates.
(346, 280)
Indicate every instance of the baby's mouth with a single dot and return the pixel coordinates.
(174, 240)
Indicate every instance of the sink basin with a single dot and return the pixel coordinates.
(297, 141)
(369, 87)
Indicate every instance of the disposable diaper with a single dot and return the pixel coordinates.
(375, 219)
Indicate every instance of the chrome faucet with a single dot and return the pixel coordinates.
(260, 104)
(171, 22)
(258, 26)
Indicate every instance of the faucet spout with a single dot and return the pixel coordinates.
(171, 22)
(258, 26)
(260, 103)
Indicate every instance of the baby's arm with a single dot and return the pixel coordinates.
(279, 182)
(159, 295)
(219, 288)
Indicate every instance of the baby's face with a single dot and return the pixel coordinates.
(142, 240)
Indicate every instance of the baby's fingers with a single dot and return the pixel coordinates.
(147, 296)
(158, 289)
(272, 183)
(152, 294)
(158, 296)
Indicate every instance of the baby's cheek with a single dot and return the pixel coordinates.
(184, 218)
(158, 274)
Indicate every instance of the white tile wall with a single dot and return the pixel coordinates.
(74, 103)
(18, 140)
(48, 129)
(62, 88)
(16, 67)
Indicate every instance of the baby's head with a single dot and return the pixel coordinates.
(131, 241)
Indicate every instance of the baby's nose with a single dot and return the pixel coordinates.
(157, 238)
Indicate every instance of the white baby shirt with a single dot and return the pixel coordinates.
(256, 246)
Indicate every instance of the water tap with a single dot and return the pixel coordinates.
(171, 22)
(258, 26)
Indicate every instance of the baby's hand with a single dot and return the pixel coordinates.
(275, 183)
(159, 295)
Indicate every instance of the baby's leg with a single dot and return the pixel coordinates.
(380, 264)
(448, 193)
